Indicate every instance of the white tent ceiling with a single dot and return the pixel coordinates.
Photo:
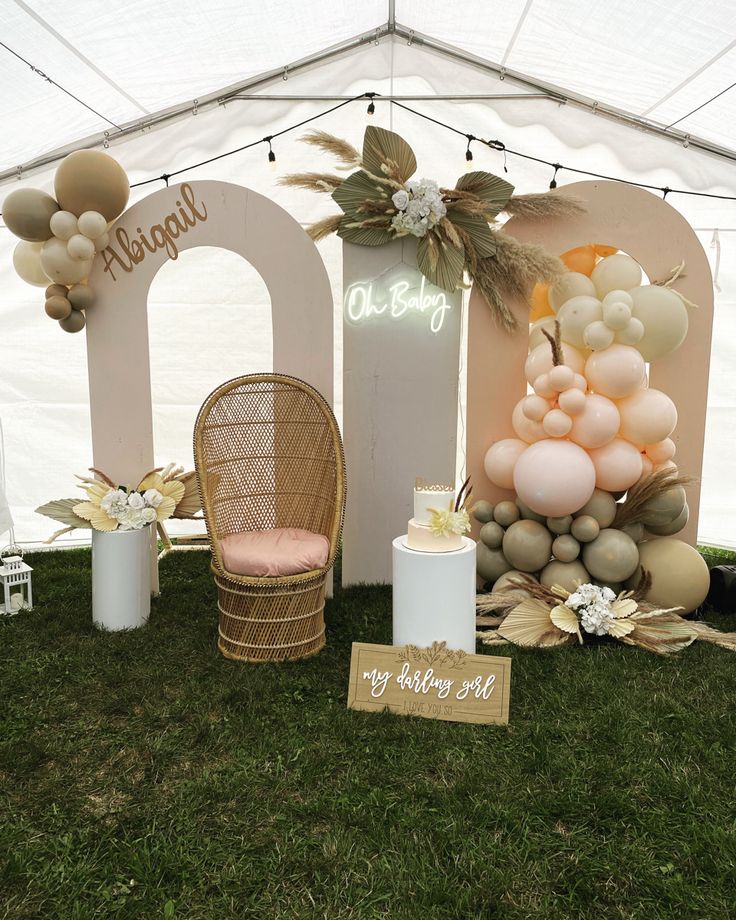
(655, 61)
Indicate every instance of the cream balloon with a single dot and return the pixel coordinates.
(597, 424)
(554, 477)
(27, 263)
(616, 315)
(568, 575)
(490, 563)
(680, 576)
(612, 556)
(27, 213)
(647, 416)
(569, 285)
(572, 401)
(575, 316)
(618, 296)
(59, 266)
(500, 460)
(527, 545)
(524, 427)
(602, 507)
(539, 361)
(536, 336)
(64, 225)
(632, 333)
(664, 317)
(80, 248)
(92, 224)
(556, 423)
(89, 180)
(616, 372)
(102, 242)
(616, 272)
(75, 322)
(597, 336)
(617, 465)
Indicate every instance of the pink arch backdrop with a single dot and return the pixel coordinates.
(659, 238)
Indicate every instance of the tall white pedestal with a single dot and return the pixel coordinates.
(434, 596)
(121, 578)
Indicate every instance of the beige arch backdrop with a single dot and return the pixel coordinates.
(659, 238)
(156, 229)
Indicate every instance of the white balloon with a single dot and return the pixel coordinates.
(616, 314)
(80, 248)
(598, 336)
(27, 263)
(619, 297)
(574, 315)
(64, 225)
(59, 266)
(617, 272)
(632, 333)
(664, 317)
(92, 224)
(571, 284)
(102, 242)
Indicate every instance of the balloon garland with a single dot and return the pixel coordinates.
(60, 236)
(598, 495)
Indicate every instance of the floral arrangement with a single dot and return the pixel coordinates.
(163, 493)
(550, 617)
(455, 227)
(443, 522)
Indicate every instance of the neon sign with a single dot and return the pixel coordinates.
(395, 296)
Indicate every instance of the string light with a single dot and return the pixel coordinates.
(469, 152)
(271, 154)
(371, 105)
(553, 182)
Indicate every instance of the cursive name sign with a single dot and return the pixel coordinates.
(404, 295)
(128, 251)
(435, 682)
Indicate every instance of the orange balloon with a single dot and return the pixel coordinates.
(540, 303)
(602, 251)
(581, 259)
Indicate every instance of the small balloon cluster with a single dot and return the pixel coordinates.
(61, 235)
(591, 432)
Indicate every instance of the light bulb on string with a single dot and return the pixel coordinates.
(271, 154)
(469, 153)
(371, 110)
(553, 183)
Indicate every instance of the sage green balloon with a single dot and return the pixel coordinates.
(566, 548)
(527, 545)
(667, 530)
(491, 563)
(483, 511)
(505, 513)
(560, 525)
(612, 556)
(513, 578)
(492, 534)
(527, 514)
(27, 212)
(635, 531)
(585, 528)
(615, 586)
(602, 506)
(664, 509)
(567, 575)
(74, 322)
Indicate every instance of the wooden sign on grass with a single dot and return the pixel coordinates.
(436, 683)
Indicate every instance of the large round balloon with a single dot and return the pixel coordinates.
(616, 273)
(539, 360)
(680, 577)
(554, 477)
(597, 424)
(575, 315)
(491, 563)
(617, 465)
(89, 180)
(569, 285)
(664, 508)
(567, 575)
(664, 317)
(527, 545)
(612, 556)
(59, 266)
(647, 416)
(616, 372)
(500, 461)
(27, 262)
(27, 212)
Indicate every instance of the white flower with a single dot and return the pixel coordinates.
(114, 502)
(596, 619)
(153, 497)
(400, 199)
(148, 515)
(131, 519)
(608, 594)
(136, 500)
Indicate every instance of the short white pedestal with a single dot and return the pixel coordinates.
(434, 596)
(121, 578)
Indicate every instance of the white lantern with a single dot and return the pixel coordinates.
(15, 577)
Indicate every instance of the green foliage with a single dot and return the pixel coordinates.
(381, 146)
(146, 776)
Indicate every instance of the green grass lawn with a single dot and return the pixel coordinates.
(144, 775)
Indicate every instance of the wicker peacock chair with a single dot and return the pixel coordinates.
(269, 456)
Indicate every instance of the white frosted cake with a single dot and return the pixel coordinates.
(431, 499)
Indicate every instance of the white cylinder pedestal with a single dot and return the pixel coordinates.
(434, 596)
(121, 578)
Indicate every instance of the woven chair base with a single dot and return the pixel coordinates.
(263, 623)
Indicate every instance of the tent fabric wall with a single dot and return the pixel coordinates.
(43, 386)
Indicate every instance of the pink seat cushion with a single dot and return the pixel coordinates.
(270, 553)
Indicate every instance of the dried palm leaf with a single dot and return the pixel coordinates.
(440, 262)
(313, 181)
(566, 620)
(190, 504)
(477, 229)
(546, 205)
(385, 152)
(494, 191)
(662, 634)
(708, 634)
(322, 228)
(339, 148)
(645, 491)
(356, 189)
(529, 624)
(362, 232)
(61, 511)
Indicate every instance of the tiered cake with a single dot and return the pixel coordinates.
(431, 498)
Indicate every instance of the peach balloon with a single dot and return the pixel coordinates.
(647, 416)
(646, 466)
(581, 383)
(556, 423)
(597, 424)
(542, 387)
(661, 451)
(561, 378)
(539, 360)
(617, 371)
(500, 461)
(554, 477)
(528, 430)
(572, 401)
(535, 408)
(617, 465)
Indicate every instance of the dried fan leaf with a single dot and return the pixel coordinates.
(620, 628)
(661, 634)
(529, 624)
(381, 146)
(447, 270)
(483, 238)
(566, 620)
(356, 189)
(351, 231)
(624, 607)
(494, 191)
(61, 511)
(190, 504)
